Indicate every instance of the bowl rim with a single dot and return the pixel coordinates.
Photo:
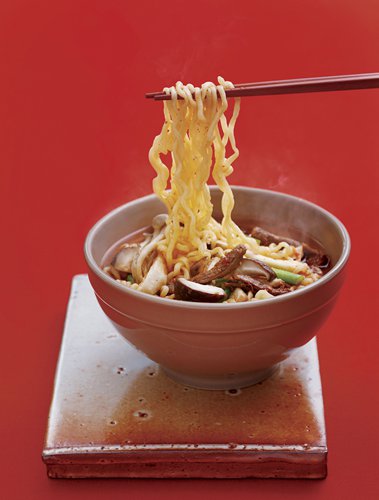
(154, 299)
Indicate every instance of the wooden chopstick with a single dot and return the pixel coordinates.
(296, 86)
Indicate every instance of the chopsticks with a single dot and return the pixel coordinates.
(296, 86)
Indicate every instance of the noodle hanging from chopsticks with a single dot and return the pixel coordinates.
(196, 134)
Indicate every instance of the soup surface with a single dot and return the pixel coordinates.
(282, 265)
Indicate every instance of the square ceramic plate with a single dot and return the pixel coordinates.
(114, 413)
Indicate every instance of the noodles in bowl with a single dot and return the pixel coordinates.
(188, 255)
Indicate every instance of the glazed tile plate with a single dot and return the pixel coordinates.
(115, 413)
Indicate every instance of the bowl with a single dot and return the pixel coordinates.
(222, 346)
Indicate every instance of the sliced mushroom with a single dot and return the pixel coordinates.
(148, 262)
(248, 283)
(255, 269)
(159, 221)
(158, 224)
(155, 278)
(294, 266)
(224, 267)
(147, 237)
(123, 260)
(196, 292)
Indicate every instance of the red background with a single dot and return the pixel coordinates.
(74, 135)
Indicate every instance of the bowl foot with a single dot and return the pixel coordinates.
(222, 383)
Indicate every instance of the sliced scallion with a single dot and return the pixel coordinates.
(228, 292)
(288, 277)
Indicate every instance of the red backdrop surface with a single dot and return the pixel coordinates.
(74, 135)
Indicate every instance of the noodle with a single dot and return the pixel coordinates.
(189, 255)
(196, 133)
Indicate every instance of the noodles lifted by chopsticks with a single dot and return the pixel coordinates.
(195, 134)
(189, 255)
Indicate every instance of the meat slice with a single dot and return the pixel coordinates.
(265, 237)
(247, 283)
(313, 256)
(224, 267)
(199, 266)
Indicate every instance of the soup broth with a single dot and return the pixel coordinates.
(246, 279)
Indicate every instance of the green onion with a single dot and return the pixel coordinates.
(228, 292)
(220, 281)
(288, 277)
(130, 279)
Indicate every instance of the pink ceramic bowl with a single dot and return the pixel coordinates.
(222, 346)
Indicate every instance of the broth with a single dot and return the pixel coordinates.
(290, 232)
(239, 274)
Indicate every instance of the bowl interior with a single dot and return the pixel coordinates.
(277, 212)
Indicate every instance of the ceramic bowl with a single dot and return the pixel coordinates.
(222, 346)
